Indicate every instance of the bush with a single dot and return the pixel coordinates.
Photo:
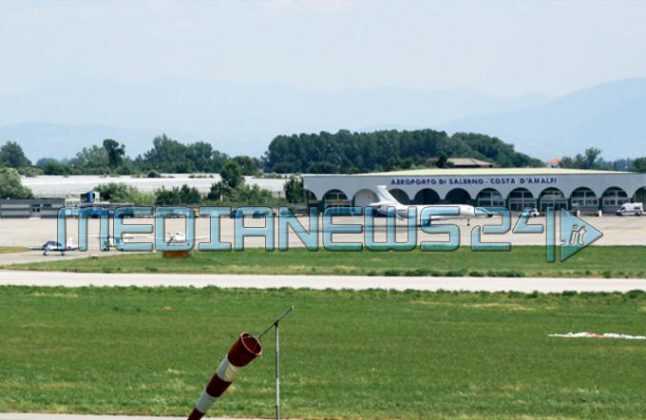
(11, 185)
(178, 196)
(122, 193)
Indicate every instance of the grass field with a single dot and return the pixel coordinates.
(606, 261)
(372, 354)
(12, 249)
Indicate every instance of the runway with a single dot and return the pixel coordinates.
(34, 232)
(337, 282)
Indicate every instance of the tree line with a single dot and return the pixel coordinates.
(167, 155)
(352, 152)
(591, 159)
(342, 152)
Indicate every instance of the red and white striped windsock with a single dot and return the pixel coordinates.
(242, 352)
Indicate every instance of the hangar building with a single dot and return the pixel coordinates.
(515, 188)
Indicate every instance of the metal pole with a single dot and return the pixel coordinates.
(277, 371)
(275, 325)
(276, 321)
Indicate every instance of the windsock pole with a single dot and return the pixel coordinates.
(277, 373)
(246, 348)
(276, 325)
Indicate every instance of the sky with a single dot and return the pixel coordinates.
(501, 48)
(496, 47)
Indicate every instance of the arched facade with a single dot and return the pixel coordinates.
(457, 196)
(520, 199)
(364, 197)
(640, 196)
(519, 187)
(309, 196)
(490, 197)
(613, 198)
(583, 198)
(426, 196)
(335, 198)
(552, 198)
(400, 195)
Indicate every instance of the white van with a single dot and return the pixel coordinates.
(627, 209)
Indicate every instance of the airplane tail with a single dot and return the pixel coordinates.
(385, 196)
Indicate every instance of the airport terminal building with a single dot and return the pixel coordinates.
(515, 188)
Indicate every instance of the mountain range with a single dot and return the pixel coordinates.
(243, 118)
(611, 117)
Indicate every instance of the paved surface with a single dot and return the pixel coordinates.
(490, 284)
(37, 256)
(34, 232)
(30, 416)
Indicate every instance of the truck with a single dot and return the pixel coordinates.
(627, 209)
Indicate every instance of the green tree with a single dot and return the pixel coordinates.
(167, 155)
(189, 195)
(115, 152)
(114, 192)
(11, 185)
(11, 154)
(442, 161)
(53, 167)
(248, 165)
(177, 196)
(639, 165)
(218, 191)
(591, 157)
(294, 190)
(91, 160)
(347, 152)
(232, 175)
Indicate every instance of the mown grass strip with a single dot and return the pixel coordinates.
(372, 354)
(606, 261)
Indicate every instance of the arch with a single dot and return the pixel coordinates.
(309, 195)
(426, 196)
(583, 198)
(400, 195)
(335, 198)
(520, 199)
(640, 196)
(310, 199)
(490, 197)
(364, 197)
(612, 198)
(552, 198)
(458, 196)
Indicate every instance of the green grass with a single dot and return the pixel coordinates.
(12, 249)
(372, 354)
(606, 261)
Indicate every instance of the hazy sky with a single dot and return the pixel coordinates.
(495, 47)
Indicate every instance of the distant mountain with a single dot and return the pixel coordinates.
(611, 116)
(236, 118)
(40, 140)
(243, 118)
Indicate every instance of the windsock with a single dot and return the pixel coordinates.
(242, 352)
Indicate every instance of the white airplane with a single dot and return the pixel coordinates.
(437, 211)
(54, 246)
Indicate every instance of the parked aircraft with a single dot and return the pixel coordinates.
(54, 246)
(436, 211)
